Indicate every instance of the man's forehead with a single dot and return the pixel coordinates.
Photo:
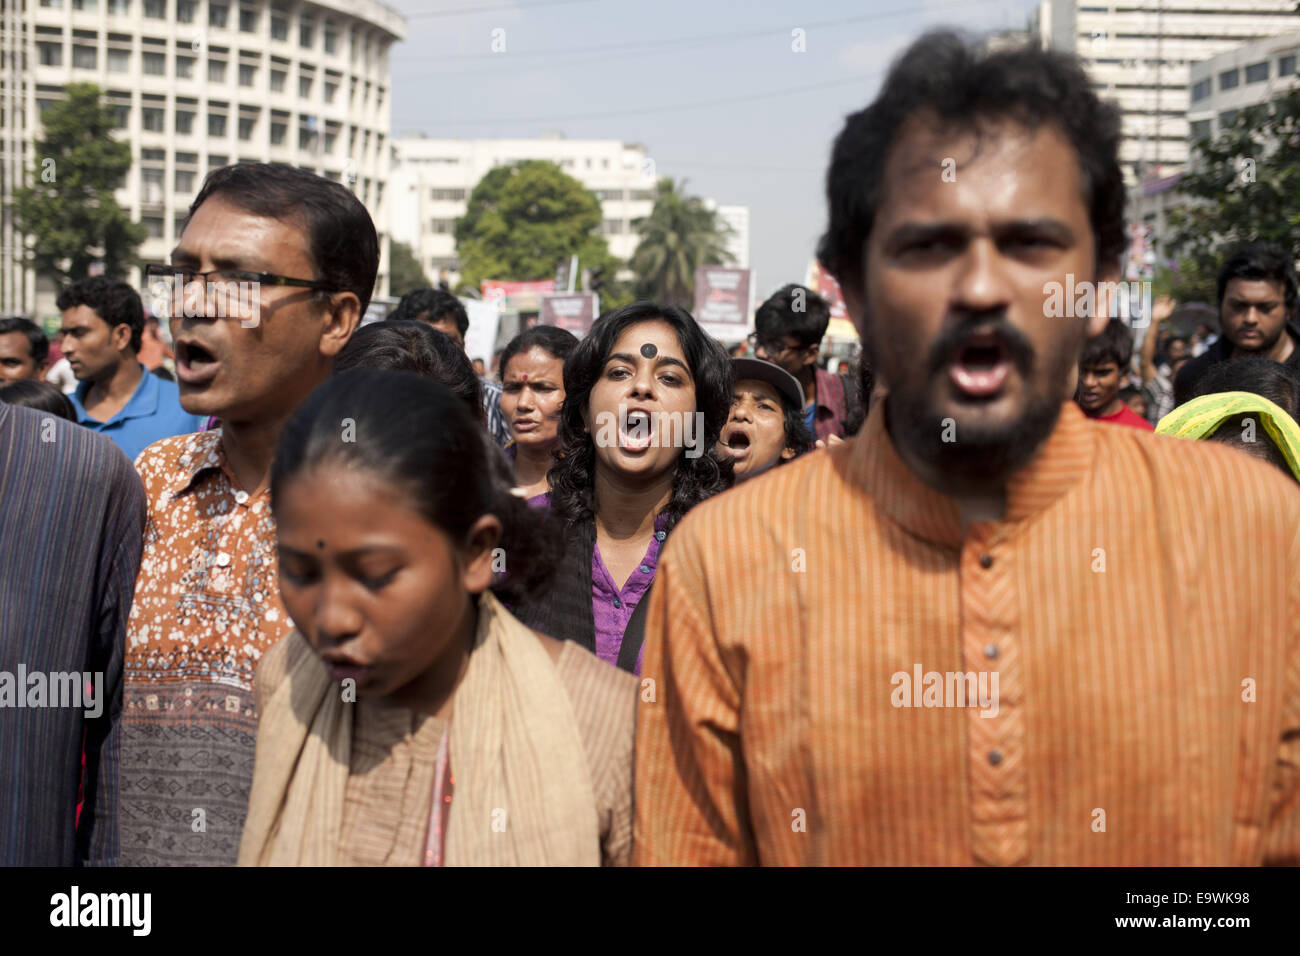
(1254, 290)
(219, 228)
(939, 169)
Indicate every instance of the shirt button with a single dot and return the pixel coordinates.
(223, 559)
(644, 569)
(990, 650)
(986, 561)
(661, 535)
(617, 603)
(241, 496)
(995, 757)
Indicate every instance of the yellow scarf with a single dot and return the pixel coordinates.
(1201, 417)
(523, 789)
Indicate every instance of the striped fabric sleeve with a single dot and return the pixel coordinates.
(97, 836)
(1281, 844)
(691, 804)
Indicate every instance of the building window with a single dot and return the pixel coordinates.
(185, 180)
(119, 8)
(277, 81)
(330, 90)
(216, 71)
(51, 54)
(247, 20)
(153, 226)
(331, 138)
(1229, 79)
(442, 227)
(155, 64)
(153, 120)
(1227, 117)
(217, 160)
(1286, 65)
(151, 186)
(216, 125)
(83, 57)
(279, 28)
(1200, 90)
(178, 224)
(121, 115)
(246, 126)
(304, 87)
(305, 34)
(185, 68)
(247, 74)
(609, 195)
(119, 61)
(278, 131)
(1200, 130)
(155, 9)
(331, 41)
(52, 4)
(612, 227)
(184, 122)
(449, 195)
(1257, 72)
(217, 13)
(85, 6)
(185, 11)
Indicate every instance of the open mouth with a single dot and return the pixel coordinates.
(194, 363)
(737, 443)
(981, 366)
(635, 433)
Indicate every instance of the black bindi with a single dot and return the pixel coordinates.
(649, 350)
(320, 544)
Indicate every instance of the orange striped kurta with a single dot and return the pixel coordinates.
(1139, 603)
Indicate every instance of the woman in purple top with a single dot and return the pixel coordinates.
(646, 395)
(532, 391)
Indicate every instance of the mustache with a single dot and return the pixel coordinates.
(945, 349)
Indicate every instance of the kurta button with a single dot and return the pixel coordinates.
(223, 559)
(986, 561)
(995, 757)
(644, 569)
(661, 535)
(990, 651)
(617, 603)
(241, 496)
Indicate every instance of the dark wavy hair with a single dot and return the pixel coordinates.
(41, 396)
(573, 476)
(416, 434)
(963, 84)
(113, 300)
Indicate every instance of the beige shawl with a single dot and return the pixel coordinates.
(523, 789)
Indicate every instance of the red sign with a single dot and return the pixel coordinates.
(516, 296)
(824, 284)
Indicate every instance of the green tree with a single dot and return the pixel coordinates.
(68, 212)
(404, 272)
(1243, 185)
(680, 234)
(523, 220)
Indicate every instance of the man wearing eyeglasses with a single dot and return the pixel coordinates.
(790, 327)
(271, 276)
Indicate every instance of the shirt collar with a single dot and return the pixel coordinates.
(874, 465)
(142, 403)
(201, 452)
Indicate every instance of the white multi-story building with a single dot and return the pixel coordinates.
(1139, 54)
(433, 178)
(199, 84)
(737, 218)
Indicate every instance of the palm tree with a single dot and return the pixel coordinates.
(680, 234)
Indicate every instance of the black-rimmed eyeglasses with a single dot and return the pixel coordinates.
(157, 271)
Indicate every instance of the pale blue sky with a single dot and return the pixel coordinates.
(712, 88)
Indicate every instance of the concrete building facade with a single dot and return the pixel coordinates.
(1140, 55)
(199, 84)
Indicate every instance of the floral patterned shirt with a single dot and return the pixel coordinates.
(207, 606)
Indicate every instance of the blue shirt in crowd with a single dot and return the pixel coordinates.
(153, 412)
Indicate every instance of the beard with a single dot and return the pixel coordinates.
(983, 456)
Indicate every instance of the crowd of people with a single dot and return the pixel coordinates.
(644, 601)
